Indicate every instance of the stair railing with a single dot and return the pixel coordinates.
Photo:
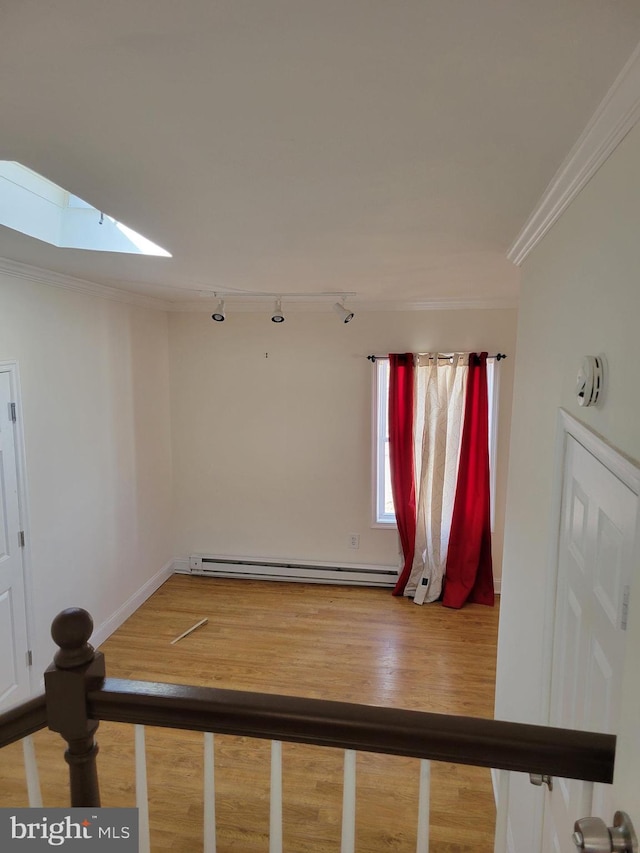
(79, 696)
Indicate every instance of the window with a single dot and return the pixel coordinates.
(37, 207)
(383, 511)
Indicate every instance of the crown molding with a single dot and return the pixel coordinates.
(445, 303)
(79, 285)
(295, 305)
(245, 303)
(617, 114)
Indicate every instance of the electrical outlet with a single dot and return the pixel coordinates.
(354, 540)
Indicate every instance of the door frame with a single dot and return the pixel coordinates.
(11, 367)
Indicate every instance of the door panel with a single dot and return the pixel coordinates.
(608, 571)
(603, 684)
(570, 662)
(578, 529)
(14, 673)
(8, 658)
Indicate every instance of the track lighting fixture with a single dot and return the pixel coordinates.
(219, 314)
(347, 316)
(277, 316)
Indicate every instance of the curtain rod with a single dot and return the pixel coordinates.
(498, 356)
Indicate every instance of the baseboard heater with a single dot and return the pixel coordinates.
(300, 571)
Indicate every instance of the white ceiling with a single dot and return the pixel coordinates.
(388, 148)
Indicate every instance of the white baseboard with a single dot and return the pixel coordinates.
(106, 629)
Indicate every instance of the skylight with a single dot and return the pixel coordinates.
(39, 208)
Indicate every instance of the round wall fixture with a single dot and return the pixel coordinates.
(589, 384)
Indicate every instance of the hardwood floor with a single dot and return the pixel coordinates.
(343, 643)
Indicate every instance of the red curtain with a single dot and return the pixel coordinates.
(469, 572)
(401, 458)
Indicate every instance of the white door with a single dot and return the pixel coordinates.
(595, 565)
(14, 670)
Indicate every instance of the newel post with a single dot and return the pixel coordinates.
(75, 670)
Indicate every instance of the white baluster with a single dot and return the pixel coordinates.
(349, 803)
(502, 812)
(424, 793)
(142, 796)
(586, 798)
(31, 771)
(209, 795)
(275, 812)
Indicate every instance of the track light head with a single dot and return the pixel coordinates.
(347, 316)
(277, 316)
(219, 314)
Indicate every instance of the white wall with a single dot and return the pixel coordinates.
(272, 456)
(95, 396)
(580, 295)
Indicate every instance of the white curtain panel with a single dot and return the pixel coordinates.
(440, 384)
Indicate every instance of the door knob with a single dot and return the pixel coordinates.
(592, 835)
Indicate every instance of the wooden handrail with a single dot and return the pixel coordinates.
(23, 720)
(78, 696)
(440, 737)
